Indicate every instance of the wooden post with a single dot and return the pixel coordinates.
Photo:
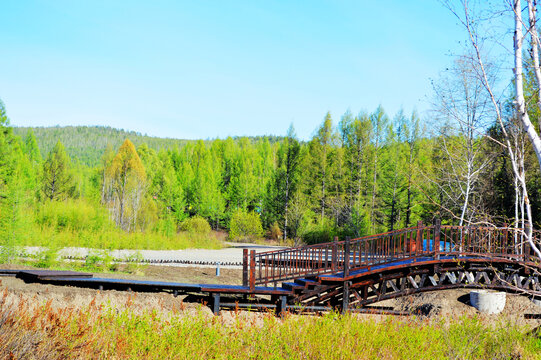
(418, 239)
(245, 267)
(216, 303)
(334, 254)
(345, 298)
(347, 251)
(505, 238)
(252, 270)
(437, 235)
(281, 305)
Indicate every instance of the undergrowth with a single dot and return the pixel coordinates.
(100, 332)
(116, 239)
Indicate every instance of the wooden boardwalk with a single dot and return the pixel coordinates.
(351, 274)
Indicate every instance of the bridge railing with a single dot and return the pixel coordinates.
(496, 242)
(276, 266)
(413, 243)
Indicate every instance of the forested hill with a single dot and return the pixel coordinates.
(88, 143)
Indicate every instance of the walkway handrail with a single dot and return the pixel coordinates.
(279, 265)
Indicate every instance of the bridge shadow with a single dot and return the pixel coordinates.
(465, 299)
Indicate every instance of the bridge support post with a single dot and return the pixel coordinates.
(345, 298)
(245, 267)
(281, 306)
(216, 303)
(252, 270)
(437, 235)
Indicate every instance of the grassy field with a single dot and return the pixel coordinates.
(77, 223)
(111, 239)
(106, 332)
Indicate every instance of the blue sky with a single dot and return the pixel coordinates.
(206, 69)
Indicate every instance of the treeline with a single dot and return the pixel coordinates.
(362, 174)
(86, 144)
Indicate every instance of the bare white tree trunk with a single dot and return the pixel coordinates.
(520, 102)
(532, 15)
(522, 113)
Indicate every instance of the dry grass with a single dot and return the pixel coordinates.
(42, 331)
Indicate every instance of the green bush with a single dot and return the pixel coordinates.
(321, 232)
(245, 226)
(47, 258)
(275, 232)
(195, 224)
(75, 215)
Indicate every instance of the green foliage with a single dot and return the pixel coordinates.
(321, 231)
(73, 215)
(57, 181)
(114, 238)
(99, 261)
(196, 224)
(275, 232)
(47, 258)
(31, 148)
(370, 173)
(245, 226)
(126, 178)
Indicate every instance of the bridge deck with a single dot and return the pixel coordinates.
(394, 264)
(79, 279)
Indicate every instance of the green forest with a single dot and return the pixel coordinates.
(358, 174)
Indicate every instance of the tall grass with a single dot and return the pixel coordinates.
(110, 239)
(96, 332)
(77, 223)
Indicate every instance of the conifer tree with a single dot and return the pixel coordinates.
(319, 149)
(57, 177)
(32, 149)
(207, 197)
(379, 122)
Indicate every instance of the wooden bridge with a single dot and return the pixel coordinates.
(351, 274)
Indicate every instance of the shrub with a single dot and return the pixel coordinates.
(245, 226)
(72, 215)
(321, 232)
(275, 232)
(195, 224)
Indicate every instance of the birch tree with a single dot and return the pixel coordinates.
(471, 25)
(462, 107)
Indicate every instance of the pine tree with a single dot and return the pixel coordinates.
(207, 197)
(319, 150)
(379, 122)
(284, 185)
(57, 177)
(31, 148)
(7, 161)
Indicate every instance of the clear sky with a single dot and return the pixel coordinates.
(206, 69)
